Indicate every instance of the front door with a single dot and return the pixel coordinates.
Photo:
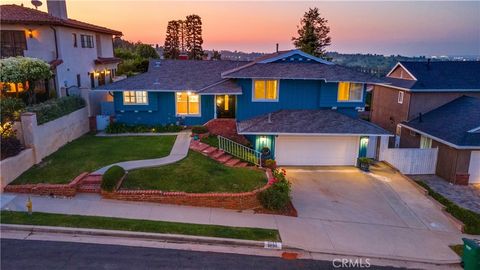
(225, 106)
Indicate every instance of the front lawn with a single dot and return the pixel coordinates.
(196, 174)
(138, 225)
(90, 153)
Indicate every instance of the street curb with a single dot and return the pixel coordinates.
(173, 238)
(176, 238)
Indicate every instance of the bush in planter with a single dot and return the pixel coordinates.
(199, 129)
(277, 196)
(111, 177)
(56, 108)
(364, 163)
(10, 146)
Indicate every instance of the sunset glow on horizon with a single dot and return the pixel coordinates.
(407, 28)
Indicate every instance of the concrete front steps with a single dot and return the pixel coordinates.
(90, 184)
(217, 154)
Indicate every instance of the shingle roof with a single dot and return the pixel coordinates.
(309, 71)
(228, 86)
(323, 121)
(452, 121)
(443, 75)
(170, 75)
(14, 14)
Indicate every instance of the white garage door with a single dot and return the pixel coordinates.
(316, 150)
(474, 168)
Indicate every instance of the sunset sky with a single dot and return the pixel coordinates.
(407, 28)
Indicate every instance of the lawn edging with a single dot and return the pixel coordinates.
(123, 227)
(65, 190)
(236, 201)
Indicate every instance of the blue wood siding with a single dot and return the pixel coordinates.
(294, 94)
(160, 110)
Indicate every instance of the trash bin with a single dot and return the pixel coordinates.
(471, 254)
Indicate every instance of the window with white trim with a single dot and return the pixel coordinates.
(135, 98)
(400, 97)
(188, 103)
(86, 41)
(350, 92)
(425, 142)
(265, 90)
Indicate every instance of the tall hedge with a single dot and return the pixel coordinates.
(56, 108)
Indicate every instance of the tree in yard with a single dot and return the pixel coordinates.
(313, 33)
(171, 49)
(194, 38)
(24, 70)
(146, 51)
(216, 55)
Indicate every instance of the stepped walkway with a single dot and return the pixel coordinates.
(217, 154)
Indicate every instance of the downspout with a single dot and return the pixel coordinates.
(56, 58)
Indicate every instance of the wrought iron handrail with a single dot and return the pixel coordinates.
(240, 151)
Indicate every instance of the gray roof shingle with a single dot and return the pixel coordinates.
(228, 86)
(452, 121)
(323, 121)
(309, 71)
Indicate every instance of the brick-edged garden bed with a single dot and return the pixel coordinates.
(237, 201)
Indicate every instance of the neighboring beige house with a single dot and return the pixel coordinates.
(80, 54)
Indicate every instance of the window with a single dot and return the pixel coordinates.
(400, 97)
(425, 142)
(79, 80)
(87, 41)
(74, 36)
(135, 98)
(265, 90)
(13, 43)
(188, 103)
(350, 92)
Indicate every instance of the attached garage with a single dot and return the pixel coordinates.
(316, 150)
(474, 168)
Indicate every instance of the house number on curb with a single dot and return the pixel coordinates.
(273, 245)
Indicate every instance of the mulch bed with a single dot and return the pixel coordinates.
(288, 211)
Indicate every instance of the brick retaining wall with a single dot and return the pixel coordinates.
(66, 190)
(237, 201)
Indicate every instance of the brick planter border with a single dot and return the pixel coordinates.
(66, 190)
(237, 201)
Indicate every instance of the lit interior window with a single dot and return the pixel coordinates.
(135, 97)
(188, 103)
(265, 90)
(350, 91)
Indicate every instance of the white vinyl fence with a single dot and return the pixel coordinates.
(410, 160)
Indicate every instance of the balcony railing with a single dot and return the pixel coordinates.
(240, 151)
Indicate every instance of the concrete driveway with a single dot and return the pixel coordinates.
(380, 214)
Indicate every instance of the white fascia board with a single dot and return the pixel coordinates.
(293, 52)
(314, 134)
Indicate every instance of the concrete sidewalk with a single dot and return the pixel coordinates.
(179, 151)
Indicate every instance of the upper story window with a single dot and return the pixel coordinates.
(400, 97)
(265, 90)
(13, 43)
(188, 103)
(425, 142)
(135, 98)
(74, 37)
(350, 92)
(87, 41)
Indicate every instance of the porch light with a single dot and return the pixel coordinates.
(189, 93)
(30, 33)
(219, 101)
(263, 139)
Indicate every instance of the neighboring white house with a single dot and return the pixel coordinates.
(79, 53)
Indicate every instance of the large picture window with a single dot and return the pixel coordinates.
(135, 98)
(188, 103)
(350, 92)
(265, 90)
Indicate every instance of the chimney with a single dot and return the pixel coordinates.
(57, 8)
(277, 48)
(183, 56)
(428, 63)
(420, 119)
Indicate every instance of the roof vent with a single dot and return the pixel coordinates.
(157, 64)
(420, 118)
(269, 118)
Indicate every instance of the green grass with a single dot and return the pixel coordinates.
(89, 153)
(138, 225)
(469, 218)
(196, 174)
(211, 140)
(458, 249)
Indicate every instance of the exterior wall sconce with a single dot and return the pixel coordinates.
(30, 33)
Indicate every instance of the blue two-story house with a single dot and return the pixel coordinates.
(302, 107)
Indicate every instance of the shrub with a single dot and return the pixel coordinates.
(10, 146)
(271, 164)
(56, 108)
(277, 196)
(199, 129)
(111, 178)
(365, 160)
(115, 128)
